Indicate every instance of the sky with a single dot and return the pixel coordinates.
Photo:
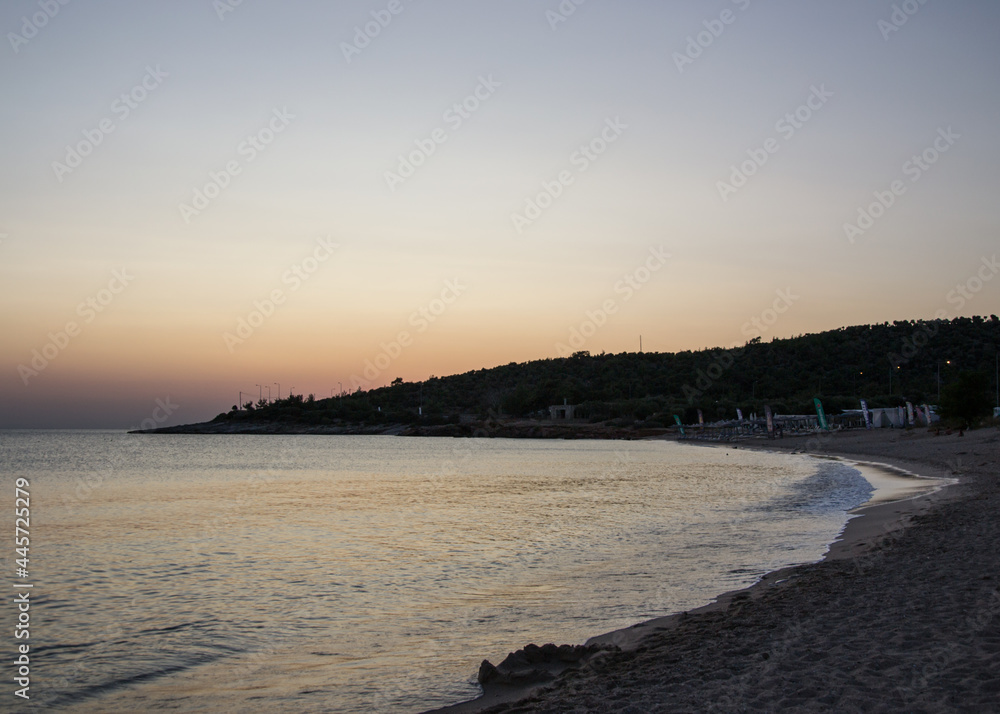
(201, 200)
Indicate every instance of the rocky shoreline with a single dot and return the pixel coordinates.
(271, 427)
(474, 429)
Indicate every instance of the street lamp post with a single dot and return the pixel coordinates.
(260, 393)
(269, 394)
(939, 378)
(341, 392)
(279, 390)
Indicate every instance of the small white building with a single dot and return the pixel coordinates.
(562, 411)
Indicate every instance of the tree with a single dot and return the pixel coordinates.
(967, 398)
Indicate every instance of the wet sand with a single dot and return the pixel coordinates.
(903, 614)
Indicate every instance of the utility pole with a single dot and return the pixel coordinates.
(939, 378)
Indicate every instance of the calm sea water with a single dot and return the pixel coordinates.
(357, 574)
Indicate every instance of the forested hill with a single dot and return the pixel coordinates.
(840, 366)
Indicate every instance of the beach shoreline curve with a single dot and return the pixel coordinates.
(870, 536)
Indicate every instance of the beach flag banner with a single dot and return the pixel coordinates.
(868, 414)
(909, 414)
(701, 418)
(680, 426)
(821, 414)
(739, 414)
(770, 421)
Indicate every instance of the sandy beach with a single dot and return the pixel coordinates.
(903, 614)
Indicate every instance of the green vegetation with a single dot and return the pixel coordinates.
(967, 400)
(840, 366)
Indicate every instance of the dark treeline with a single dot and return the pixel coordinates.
(887, 364)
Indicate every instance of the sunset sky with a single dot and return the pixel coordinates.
(197, 197)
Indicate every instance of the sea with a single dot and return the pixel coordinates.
(370, 573)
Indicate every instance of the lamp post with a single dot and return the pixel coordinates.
(341, 392)
(939, 378)
(268, 393)
(260, 393)
(279, 390)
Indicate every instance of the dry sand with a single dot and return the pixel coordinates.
(903, 615)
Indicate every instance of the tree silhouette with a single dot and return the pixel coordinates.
(968, 399)
(841, 366)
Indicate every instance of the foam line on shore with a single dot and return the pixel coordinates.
(867, 526)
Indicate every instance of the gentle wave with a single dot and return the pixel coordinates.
(372, 573)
